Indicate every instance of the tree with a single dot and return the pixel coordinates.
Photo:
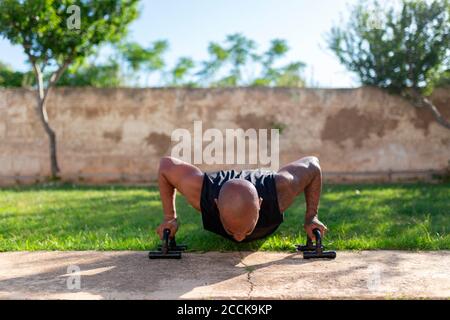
(233, 61)
(285, 76)
(54, 34)
(237, 52)
(181, 72)
(138, 58)
(218, 57)
(405, 51)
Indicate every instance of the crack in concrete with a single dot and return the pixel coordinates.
(250, 270)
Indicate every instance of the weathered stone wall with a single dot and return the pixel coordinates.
(118, 135)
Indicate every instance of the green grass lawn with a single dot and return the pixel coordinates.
(69, 217)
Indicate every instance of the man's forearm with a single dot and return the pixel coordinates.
(168, 194)
(312, 197)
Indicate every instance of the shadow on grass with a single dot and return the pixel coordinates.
(68, 217)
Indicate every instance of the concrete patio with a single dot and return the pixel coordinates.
(214, 275)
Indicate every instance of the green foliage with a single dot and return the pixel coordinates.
(89, 74)
(444, 79)
(11, 78)
(40, 26)
(228, 65)
(399, 49)
(241, 49)
(181, 72)
(234, 55)
(279, 126)
(69, 217)
(284, 76)
(135, 58)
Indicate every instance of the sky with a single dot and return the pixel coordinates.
(189, 25)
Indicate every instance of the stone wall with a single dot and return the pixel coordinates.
(118, 135)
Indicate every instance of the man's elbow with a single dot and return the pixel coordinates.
(314, 165)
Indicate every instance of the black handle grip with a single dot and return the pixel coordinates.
(317, 233)
(318, 239)
(165, 244)
(166, 234)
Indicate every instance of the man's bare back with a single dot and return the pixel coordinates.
(300, 176)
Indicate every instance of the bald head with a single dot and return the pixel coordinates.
(238, 205)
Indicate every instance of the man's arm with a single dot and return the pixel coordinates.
(174, 175)
(303, 175)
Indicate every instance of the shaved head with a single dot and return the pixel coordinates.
(238, 205)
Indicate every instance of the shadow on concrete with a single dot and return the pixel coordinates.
(215, 275)
(131, 275)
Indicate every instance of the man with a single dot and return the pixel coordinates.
(241, 205)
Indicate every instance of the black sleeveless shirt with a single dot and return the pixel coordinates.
(270, 216)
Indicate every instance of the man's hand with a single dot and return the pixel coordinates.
(172, 225)
(313, 224)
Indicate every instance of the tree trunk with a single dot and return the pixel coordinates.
(42, 95)
(51, 139)
(420, 101)
(437, 115)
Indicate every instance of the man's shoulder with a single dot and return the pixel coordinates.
(283, 180)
